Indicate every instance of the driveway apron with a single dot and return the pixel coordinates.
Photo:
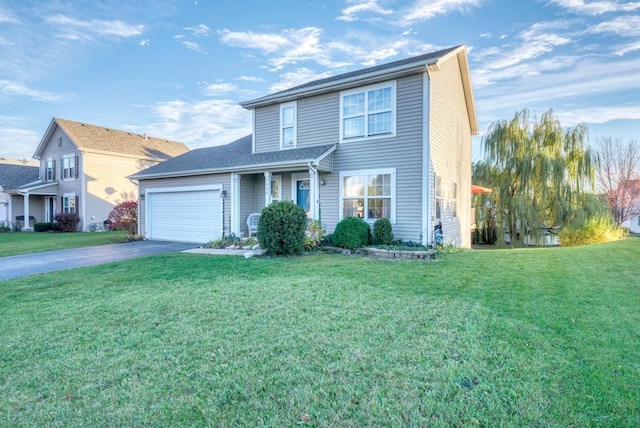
(51, 261)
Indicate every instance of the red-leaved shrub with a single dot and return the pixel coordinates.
(124, 216)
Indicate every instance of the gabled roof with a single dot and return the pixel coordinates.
(14, 175)
(235, 156)
(97, 138)
(392, 70)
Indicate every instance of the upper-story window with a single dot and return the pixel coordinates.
(368, 112)
(50, 170)
(288, 121)
(69, 167)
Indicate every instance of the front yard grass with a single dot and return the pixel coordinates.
(531, 337)
(15, 243)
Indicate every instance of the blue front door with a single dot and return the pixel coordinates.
(302, 194)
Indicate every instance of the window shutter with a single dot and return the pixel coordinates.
(61, 168)
(77, 204)
(77, 166)
(61, 204)
(53, 170)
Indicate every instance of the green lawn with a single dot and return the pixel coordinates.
(12, 244)
(533, 337)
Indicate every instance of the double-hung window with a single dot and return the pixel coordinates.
(438, 197)
(368, 112)
(69, 203)
(288, 128)
(368, 194)
(50, 170)
(454, 200)
(69, 167)
(276, 188)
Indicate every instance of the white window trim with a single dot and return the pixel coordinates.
(365, 89)
(454, 200)
(48, 162)
(293, 104)
(294, 185)
(391, 171)
(70, 197)
(71, 176)
(277, 178)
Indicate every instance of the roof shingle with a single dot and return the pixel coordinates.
(13, 176)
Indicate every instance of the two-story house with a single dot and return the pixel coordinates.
(84, 169)
(393, 141)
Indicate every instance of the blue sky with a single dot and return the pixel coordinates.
(178, 68)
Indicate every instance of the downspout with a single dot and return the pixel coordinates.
(83, 186)
(426, 158)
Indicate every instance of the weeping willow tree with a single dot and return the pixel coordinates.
(541, 176)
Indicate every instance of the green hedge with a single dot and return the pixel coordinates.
(43, 227)
(281, 229)
(352, 233)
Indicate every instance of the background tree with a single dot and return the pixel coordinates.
(538, 172)
(618, 176)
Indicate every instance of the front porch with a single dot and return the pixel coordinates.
(32, 203)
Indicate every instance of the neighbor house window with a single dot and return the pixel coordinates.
(288, 119)
(50, 170)
(368, 112)
(69, 203)
(69, 167)
(368, 194)
(438, 197)
(276, 188)
(454, 200)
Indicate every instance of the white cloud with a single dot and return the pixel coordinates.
(7, 18)
(424, 10)
(145, 42)
(200, 123)
(219, 88)
(73, 29)
(193, 46)
(596, 7)
(199, 30)
(4, 41)
(604, 114)
(250, 78)
(625, 49)
(18, 143)
(295, 78)
(12, 88)
(371, 6)
(624, 26)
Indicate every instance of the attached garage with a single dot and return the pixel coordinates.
(187, 214)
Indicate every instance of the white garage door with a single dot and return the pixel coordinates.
(188, 216)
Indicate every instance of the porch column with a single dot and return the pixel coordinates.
(235, 204)
(314, 192)
(267, 188)
(25, 197)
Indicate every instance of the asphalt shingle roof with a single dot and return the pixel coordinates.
(13, 176)
(112, 140)
(426, 58)
(235, 155)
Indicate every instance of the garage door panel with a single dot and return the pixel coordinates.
(190, 216)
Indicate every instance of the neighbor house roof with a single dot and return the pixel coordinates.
(100, 139)
(235, 156)
(14, 175)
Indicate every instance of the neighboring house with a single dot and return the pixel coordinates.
(13, 174)
(391, 141)
(633, 224)
(84, 169)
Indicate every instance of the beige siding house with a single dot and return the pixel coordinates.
(84, 169)
(390, 141)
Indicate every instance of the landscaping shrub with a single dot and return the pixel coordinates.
(43, 227)
(592, 231)
(66, 222)
(124, 216)
(5, 227)
(382, 232)
(281, 229)
(352, 233)
(314, 234)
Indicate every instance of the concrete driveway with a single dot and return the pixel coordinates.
(50, 261)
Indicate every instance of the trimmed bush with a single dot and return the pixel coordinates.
(66, 222)
(124, 216)
(382, 232)
(592, 231)
(43, 227)
(352, 233)
(281, 229)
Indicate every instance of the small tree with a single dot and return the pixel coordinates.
(124, 216)
(618, 176)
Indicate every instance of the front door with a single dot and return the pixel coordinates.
(303, 199)
(49, 208)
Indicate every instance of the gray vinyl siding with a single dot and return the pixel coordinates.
(319, 120)
(198, 180)
(248, 205)
(402, 152)
(267, 124)
(451, 150)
